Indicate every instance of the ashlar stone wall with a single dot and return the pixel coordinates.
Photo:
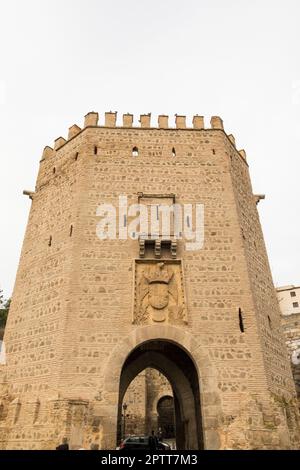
(71, 323)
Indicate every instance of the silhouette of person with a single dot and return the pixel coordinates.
(94, 446)
(64, 445)
(152, 441)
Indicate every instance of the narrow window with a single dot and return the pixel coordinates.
(17, 412)
(293, 294)
(241, 321)
(188, 221)
(71, 230)
(295, 304)
(50, 241)
(214, 152)
(1, 412)
(125, 220)
(173, 152)
(54, 170)
(157, 213)
(95, 150)
(76, 156)
(270, 322)
(135, 152)
(36, 412)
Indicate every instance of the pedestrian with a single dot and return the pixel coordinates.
(152, 441)
(64, 445)
(94, 446)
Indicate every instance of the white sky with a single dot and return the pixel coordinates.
(238, 59)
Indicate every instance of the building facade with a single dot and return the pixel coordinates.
(91, 311)
(289, 301)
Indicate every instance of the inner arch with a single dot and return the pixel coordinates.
(177, 366)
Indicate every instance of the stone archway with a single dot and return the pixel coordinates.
(108, 408)
(175, 364)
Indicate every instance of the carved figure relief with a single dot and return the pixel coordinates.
(159, 294)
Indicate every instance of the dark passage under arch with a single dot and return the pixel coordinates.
(166, 416)
(177, 366)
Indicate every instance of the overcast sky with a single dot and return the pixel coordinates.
(238, 59)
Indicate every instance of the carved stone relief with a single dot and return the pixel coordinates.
(159, 292)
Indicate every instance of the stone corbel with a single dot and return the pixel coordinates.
(30, 194)
(258, 197)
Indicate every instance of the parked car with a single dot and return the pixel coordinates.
(143, 443)
(164, 446)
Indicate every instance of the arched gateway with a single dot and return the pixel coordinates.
(176, 365)
(175, 353)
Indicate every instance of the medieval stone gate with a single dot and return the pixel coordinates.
(90, 312)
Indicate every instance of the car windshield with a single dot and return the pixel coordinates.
(137, 439)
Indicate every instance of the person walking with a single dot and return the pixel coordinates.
(153, 441)
(64, 445)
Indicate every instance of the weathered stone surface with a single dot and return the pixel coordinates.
(142, 398)
(70, 328)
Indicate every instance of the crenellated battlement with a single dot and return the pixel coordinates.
(110, 120)
(91, 119)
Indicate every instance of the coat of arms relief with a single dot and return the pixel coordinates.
(159, 292)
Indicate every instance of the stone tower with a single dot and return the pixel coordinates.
(89, 313)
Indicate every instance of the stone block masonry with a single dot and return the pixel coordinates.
(71, 334)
